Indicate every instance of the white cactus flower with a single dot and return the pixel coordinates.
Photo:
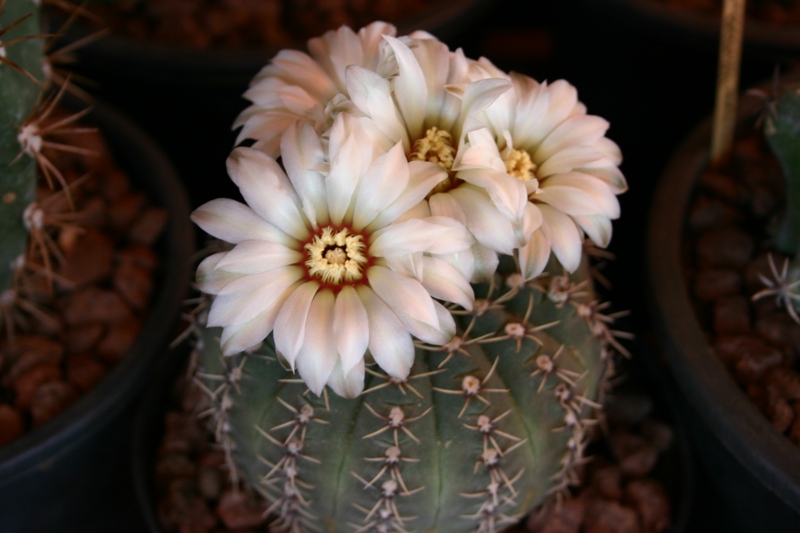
(298, 86)
(328, 259)
(567, 165)
(434, 105)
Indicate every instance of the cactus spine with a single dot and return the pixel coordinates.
(21, 79)
(482, 431)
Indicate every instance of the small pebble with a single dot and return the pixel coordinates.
(649, 499)
(236, 510)
(604, 516)
(12, 424)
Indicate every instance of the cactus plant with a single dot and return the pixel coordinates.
(397, 190)
(782, 133)
(21, 80)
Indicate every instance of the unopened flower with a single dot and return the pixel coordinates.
(569, 169)
(328, 259)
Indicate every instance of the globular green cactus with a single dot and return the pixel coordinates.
(782, 132)
(483, 430)
(21, 79)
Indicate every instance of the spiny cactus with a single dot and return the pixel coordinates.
(483, 429)
(21, 80)
(782, 132)
(387, 181)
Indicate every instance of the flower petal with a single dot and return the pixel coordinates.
(290, 324)
(386, 179)
(445, 282)
(389, 341)
(438, 235)
(302, 157)
(490, 227)
(403, 294)
(233, 222)
(564, 236)
(351, 327)
(256, 256)
(318, 355)
(410, 87)
(267, 190)
(533, 257)
(347, 384)
(249, 295)
(423, 177)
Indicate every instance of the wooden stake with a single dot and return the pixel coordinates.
(730, 55)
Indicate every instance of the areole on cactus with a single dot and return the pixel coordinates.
(437, 290)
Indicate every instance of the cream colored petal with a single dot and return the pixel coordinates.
(251, 295)
(342, 180)
(267, 190)
(256, 256)
(490, 227)
(569, 200)
(290, 324)
(212, 280)
(439, 335)
(349, 384)
(564, 236)
(533, 257)
(597, 228)
(244, 335)
(372, 94)
(404, 295)
(318, 355)
(389, 341)
(410, 88)
(423, 177)
(386, 179)
(445, 282)
(599, 191)
(351, 328)
(302, 157)
(577, 131)
(234, 222)
(434, 235)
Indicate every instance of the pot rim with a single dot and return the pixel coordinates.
(150, 169)
(710, 389)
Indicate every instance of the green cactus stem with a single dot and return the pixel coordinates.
(483, 430)
(22, 64)
(782, 132)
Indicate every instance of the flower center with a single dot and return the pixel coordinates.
(436, 147)
(518, 164)
(336, 256)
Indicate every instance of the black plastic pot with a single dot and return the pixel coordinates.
(753, 468)
(55, 477)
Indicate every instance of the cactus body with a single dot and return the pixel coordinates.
(782, 133)
(18, 95)
(468, 445)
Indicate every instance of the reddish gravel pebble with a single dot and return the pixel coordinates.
(648, 498)
(11, 423)
(605, 516)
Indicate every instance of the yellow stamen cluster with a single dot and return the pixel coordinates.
(436, 147)
(518, 164)
(336, 256)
